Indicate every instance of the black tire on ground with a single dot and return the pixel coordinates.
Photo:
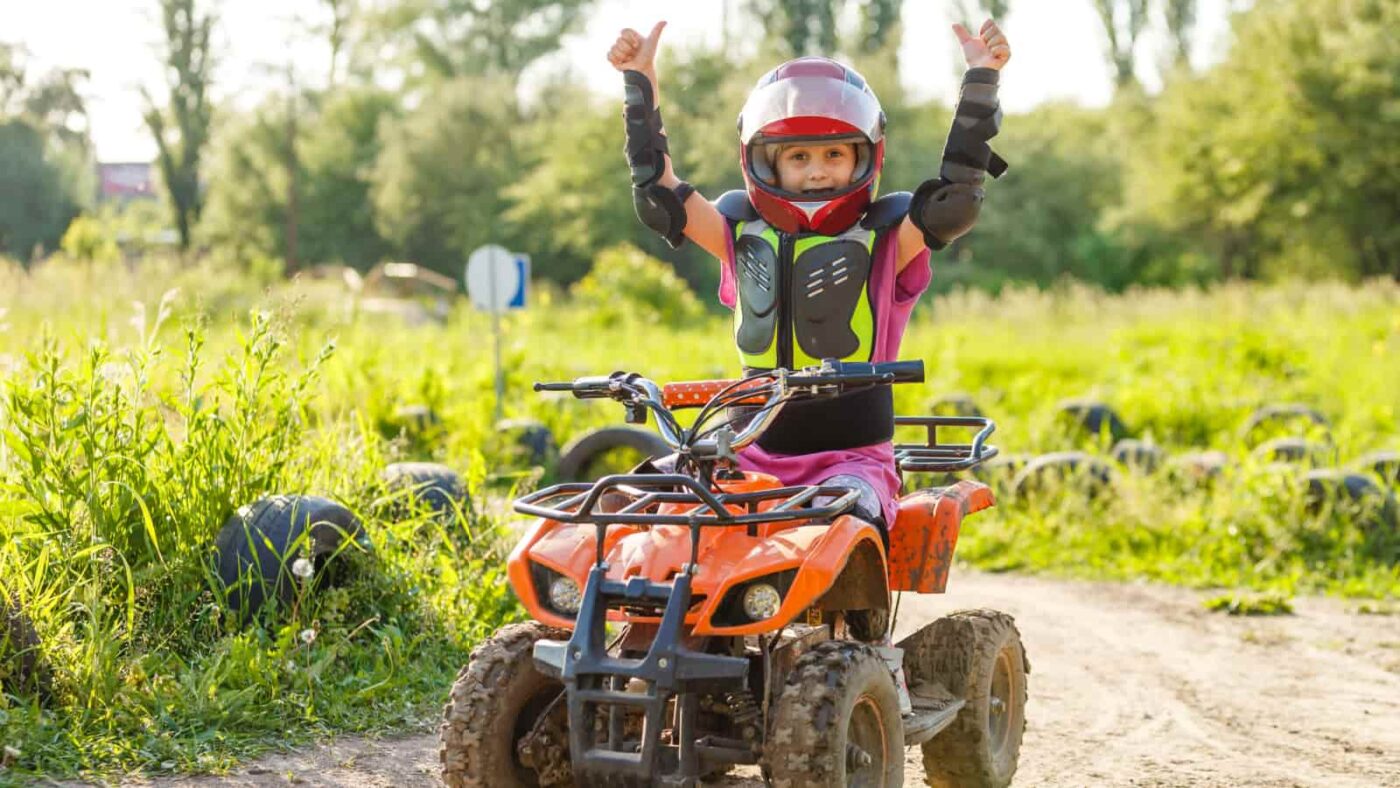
(977, 656)
(531, 440)
(836, 721)
(1138, 455)
(21, 667)
(1385, 464)
(429, 484)
(1095, 418)
(1355, 495)
(1074, 469)
(497, 699)
(1295, 450)
(580, 458)
(1271, 418)
(257, 549)
(956, 404)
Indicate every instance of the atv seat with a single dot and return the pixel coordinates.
(925, 532)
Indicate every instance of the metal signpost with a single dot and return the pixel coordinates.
(497, 280)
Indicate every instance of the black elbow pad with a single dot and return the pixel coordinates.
(663, 210)
(944, 211)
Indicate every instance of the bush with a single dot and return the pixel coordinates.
(627, 285)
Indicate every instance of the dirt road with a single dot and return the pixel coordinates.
(1130, 685)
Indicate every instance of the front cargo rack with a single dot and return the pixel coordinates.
(577, 502)
(944, 457)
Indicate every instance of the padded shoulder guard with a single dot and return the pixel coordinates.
(887, 211)
(734, 205)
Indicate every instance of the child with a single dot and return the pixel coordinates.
(812, 265)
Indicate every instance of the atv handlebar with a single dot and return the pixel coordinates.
(771, 391)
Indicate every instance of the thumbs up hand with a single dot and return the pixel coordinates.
(987, 49)
(633, 52)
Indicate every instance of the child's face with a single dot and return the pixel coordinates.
(816, 167)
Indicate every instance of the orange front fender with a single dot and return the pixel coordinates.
(818, 552)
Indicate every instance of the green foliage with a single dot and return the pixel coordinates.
(446, 39)
(440, 182)
(576, 198)
(1250, 604)
(625, 287)
(1284, 157)
(35, 206)
(336, 147)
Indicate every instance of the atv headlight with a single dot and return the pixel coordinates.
(564, 595)
(761, 601)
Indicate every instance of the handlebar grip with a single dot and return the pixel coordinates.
(554, 386)
(694, 393)
(903, 371)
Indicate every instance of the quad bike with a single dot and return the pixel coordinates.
(689, 621)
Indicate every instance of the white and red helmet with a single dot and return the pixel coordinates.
(811, 99)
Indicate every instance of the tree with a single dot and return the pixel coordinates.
(35, 206)
(1123, 22)
(1181, 25)
(249, 200)
(811, 27)
(1283, 158)
(181, 130)
(439, 183)
(441, 39)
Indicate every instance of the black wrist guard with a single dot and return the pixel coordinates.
(663, 210)
(967, 158)
(646, 145)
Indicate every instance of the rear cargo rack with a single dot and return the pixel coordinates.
(577, 502)
(944, 457)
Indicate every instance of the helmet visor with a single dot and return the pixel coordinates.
(828, 107)
(765, 151)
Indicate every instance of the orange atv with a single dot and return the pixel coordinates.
(689, 621)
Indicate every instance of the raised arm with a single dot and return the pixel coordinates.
(663, 201)
(945, 208)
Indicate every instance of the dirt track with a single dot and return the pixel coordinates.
(1130, 685)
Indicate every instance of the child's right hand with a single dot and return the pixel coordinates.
(632, 52)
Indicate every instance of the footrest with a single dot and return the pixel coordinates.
(929, 719)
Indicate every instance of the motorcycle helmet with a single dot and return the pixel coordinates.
(811, 100)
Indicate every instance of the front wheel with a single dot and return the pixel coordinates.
(837, 722)
(977, 655)
(497, 702)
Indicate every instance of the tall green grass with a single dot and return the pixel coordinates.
(143, 405)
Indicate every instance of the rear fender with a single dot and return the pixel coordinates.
(925, 533)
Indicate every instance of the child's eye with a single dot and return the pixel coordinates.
(835, 154)
(799, 157)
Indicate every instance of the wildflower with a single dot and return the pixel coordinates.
(308, 636)
(302, 568)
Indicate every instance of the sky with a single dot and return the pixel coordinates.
(1057, 50)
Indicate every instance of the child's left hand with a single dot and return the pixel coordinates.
(987, 49)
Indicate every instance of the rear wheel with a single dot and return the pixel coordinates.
(976, 655)
(837, 722)
(499, 700)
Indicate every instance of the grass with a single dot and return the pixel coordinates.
(143, 405)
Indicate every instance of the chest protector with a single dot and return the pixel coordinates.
(802, 298)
